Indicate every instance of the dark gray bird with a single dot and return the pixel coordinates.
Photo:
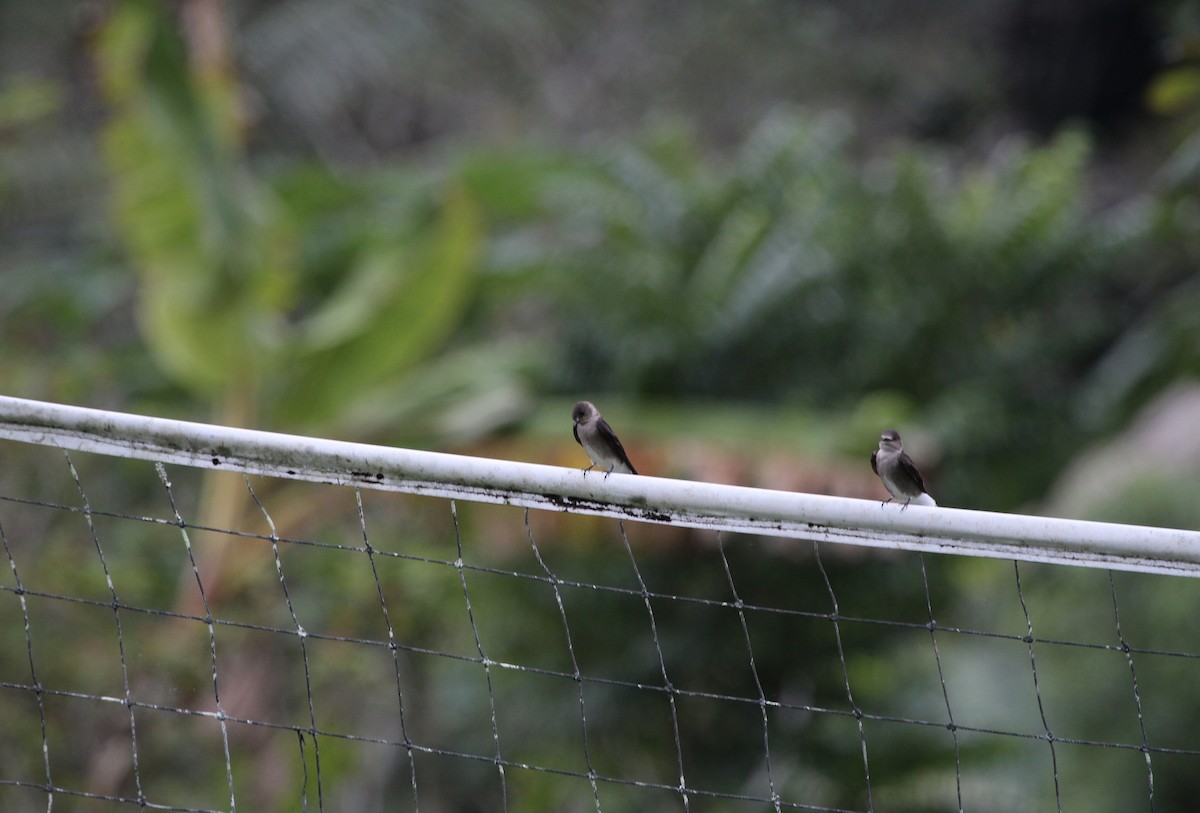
(597, 438)
(895, 468)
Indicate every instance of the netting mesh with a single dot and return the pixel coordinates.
(328, 648)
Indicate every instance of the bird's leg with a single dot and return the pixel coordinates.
(885, 502)
(589, 468)
(906, 502)
(610, 470)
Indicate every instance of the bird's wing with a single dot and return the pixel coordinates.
(874, 467)
(607, 433)
(909, 468)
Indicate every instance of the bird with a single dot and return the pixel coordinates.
(597, 438)
(898, 473)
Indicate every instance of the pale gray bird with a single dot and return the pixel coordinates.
(895, 468)
(597, 438)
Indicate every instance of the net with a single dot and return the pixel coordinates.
(349, 632)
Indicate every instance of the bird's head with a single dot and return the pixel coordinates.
(582, 413)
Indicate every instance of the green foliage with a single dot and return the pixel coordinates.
(751, 279)
(796, 273)
(295, 296)
(69, 321)
(402, 293)
(184, 212)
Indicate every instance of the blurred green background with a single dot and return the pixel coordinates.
(756, 234)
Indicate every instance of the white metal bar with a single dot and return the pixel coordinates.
(647, 499)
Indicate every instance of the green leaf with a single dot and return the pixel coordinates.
(204, 239)
(395, 307)
(1175, 91)
(25, 100)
